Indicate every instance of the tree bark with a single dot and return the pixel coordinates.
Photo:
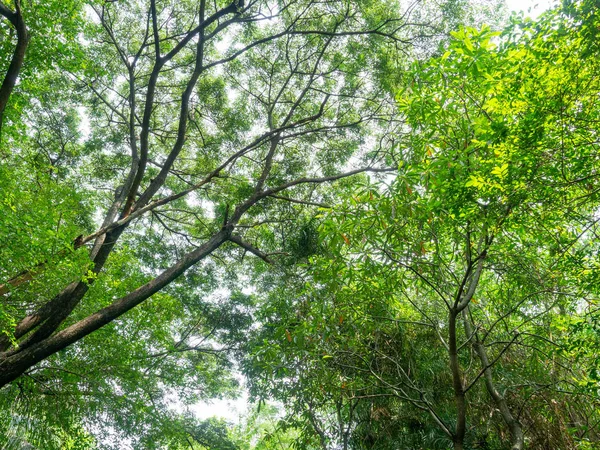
(12, 74)
(457, 383)
(14, 365)
(513, 424)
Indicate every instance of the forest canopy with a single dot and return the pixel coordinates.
(374, 220)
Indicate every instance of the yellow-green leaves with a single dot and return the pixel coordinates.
(475, 181)
(500, 171)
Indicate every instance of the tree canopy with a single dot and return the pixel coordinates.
(378, 219)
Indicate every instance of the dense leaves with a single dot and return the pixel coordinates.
(451, 304)
(380, 219)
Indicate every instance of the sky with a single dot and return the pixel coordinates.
(234, 410)
(531, 8)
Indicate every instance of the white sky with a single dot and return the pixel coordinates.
(531, 8)
(232, 410)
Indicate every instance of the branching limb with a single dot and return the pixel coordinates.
(246, 246)
(14, 68)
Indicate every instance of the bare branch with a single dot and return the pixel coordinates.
(246, 246)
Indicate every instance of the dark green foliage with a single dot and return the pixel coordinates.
(353, 204)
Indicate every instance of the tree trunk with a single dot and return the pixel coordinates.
(513, 424)
(12, 74)
(14, 363)
(457, 382)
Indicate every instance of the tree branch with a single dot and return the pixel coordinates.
(246, 246)
(10, 79)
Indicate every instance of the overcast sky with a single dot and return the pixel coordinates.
(531, 8)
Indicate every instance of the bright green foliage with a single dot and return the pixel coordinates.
(230, 113)
(445, 295)
(497, 173)
(39, 214)
(53, 55)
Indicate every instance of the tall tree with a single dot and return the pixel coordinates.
(149, 146)
(440, 300)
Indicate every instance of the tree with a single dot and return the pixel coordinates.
(439, 297)
(422, 216)
(160, 83)
(148, 148)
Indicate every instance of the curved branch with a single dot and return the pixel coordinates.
(10, 79)
(23, 358)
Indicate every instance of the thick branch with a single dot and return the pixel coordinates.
(13, 366)
(243, 207)
(10, 79)
(462, 303)
(246, 246)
